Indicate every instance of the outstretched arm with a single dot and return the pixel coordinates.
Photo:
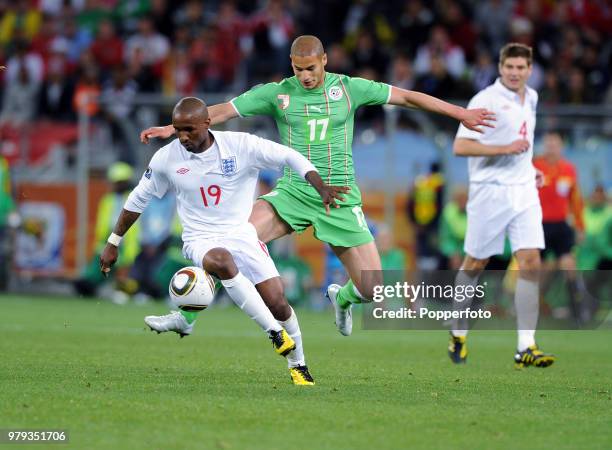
(111, 251)
(471, 147)
(221, 113)
(218, 114)
(470, 118)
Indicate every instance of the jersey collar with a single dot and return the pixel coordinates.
(317, 90)
(203, 155)
(509, 94)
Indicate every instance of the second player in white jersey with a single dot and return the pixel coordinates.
(503, 200)
(515, 119)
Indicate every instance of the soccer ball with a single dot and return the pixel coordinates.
(192, 289)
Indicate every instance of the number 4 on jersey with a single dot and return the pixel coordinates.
(523, 130)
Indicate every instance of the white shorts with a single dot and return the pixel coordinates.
(496, 211)
(250, 254)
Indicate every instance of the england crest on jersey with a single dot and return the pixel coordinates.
(228, 166)
(283, 101)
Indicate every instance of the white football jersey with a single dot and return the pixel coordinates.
(214, 189)
(514, 121)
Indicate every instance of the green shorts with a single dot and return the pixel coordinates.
(301, 206)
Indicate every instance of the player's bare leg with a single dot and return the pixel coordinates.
(273, 293)
(467, 275)
(363, 266)
(268, 224)
(474, 266)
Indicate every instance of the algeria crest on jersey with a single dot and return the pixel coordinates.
(228, 166)
(283, 101)
(335, 93)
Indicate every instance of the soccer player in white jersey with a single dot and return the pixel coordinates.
(214, 175)
(503, 198)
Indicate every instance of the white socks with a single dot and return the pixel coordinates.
(460, 326)
(246, 297)
(527, 305)
(291, 325)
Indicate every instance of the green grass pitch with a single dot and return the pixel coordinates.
(91, 368)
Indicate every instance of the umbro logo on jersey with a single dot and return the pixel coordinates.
(335, 93)
(315, 108)
(183, 170)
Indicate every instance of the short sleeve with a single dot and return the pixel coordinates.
(257, 101)
(155, 179)
(367, 92)
(478, 101)
(154, 182)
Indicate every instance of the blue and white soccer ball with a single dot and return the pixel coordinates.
(192, 289)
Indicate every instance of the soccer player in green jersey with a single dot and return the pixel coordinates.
(315, 113)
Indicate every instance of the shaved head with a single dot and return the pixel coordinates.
(190, 120)
(308, 60)
(191, 106)
(307, 45)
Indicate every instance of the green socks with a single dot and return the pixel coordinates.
(347, 295)
(190, 316)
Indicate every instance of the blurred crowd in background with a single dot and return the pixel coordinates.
(58, 53)
(58, 50)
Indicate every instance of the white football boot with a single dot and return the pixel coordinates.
(170, 322)
(344, 317)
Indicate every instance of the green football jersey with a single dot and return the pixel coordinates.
(316, 122)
